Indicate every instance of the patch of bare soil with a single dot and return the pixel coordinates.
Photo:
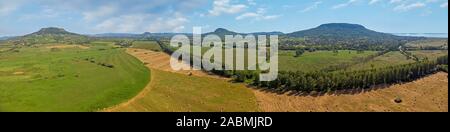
(429, 94)
(161, 61)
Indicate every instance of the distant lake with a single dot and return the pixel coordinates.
(432, 35)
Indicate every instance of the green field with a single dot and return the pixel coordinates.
(150, 45)
(314, 61)
(388, 59)
(428, 43)
(311, 61)
(430, 54)
(62, 79)
(191, 93)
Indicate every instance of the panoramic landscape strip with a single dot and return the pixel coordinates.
(224, 56)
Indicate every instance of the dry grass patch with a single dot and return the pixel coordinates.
(67, 46)
(429, 94)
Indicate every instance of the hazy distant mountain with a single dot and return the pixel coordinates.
(268, 33)
(221, 32)
(351, 34)
(115, 35)
(52, 31)
(145, 35)
(341, 30)
(53, 35)
(428, 35)
(5, 37)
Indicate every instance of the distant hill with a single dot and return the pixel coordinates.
(52, 31)
(5, 37)
(348, 34)
(221, 32)
(428, 35)
(342, 31)
(115, 35)
(146, 35)
(52, 35)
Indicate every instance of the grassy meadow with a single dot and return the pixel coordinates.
(388, 59)
(430, 54)
(314, 61)
(46, 78)
(177, 92)
(149, 45)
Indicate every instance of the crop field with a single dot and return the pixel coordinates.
(429, 43)
(189, 93)
(429, 94)
(314, 61)
(149, 45)
(68, 78)
(430, 54)
(388, 59)
(310, 61)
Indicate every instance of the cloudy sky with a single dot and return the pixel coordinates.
(20, 17)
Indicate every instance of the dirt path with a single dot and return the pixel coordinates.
(429, 94)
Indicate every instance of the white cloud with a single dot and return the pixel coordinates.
(311, 7)
(407, 7)
(225, 7)
(251, 2)
(444, 5)
(396, 1)
(125, 23)
(373, 2)
(349, 2)
(258, 15)
(101, 12)
(143, 23)
(174, 24)
(8, 6)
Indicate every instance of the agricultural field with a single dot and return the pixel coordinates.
(424, 95)
(428, 43)
(311, 61)
(68, 78)
(314, 61)
(429, 54)
(193, 92)
(149, 45)
(388, 59)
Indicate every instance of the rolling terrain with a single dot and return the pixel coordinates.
(68, 78)
(429, 94)
(178, 91)
(56, 70)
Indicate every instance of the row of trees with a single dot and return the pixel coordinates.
(322, 81)
(443, 60)
(331, 81)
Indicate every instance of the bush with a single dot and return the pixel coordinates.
(398, 100)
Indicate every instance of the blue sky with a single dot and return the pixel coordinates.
(20, 17)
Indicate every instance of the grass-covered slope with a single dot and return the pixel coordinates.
(68, 79)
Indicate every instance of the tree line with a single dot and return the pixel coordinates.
(341, 80)
(325, 81)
